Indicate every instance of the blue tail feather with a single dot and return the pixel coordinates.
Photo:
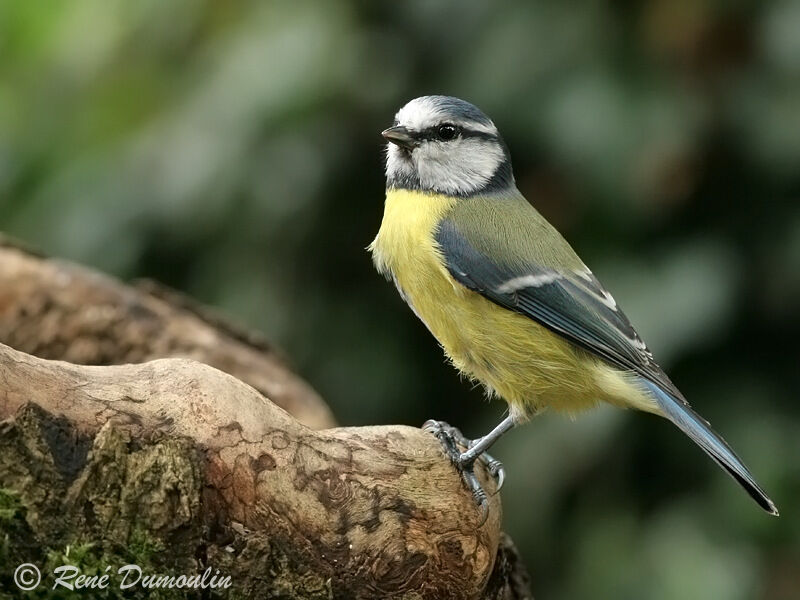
(698, 429)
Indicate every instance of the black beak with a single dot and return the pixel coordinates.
(400, 136)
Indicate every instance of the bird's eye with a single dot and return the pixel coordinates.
(447, 132)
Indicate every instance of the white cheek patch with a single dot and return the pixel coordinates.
(461, 166)
(397, 163)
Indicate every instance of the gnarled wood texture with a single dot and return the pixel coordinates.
(55, 309)
(207, 469)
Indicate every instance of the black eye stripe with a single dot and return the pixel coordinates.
(432, 133)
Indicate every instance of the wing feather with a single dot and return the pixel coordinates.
(572, 304)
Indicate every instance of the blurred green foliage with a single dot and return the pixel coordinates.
(231, 150)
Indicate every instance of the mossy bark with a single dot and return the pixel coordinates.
(178, 467)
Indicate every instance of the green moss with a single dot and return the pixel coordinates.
(13, 527)
(91, 558)
(13, 531)
(143, 548)
(94, 559)
(10, 506)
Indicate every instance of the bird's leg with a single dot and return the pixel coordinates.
(478, 449)
(451, 438)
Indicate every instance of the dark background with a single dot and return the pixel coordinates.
(231, 150)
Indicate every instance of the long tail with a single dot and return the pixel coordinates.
(701, 433)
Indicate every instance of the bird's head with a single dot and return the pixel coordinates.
(445, 145)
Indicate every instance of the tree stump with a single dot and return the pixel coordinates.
(177, 466)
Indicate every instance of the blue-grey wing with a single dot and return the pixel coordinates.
(572, 304)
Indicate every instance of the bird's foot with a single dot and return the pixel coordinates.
(451, 439)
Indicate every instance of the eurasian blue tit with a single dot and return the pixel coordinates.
(508, 299)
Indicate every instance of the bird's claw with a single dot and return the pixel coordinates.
(451, 438)
(448, 436)
(498, 471)
(493, 466)
(478, 493)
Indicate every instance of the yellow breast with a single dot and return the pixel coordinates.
(405, 250)
(511, 355)
(405, 238)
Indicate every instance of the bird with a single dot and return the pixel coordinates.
(506, 296)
